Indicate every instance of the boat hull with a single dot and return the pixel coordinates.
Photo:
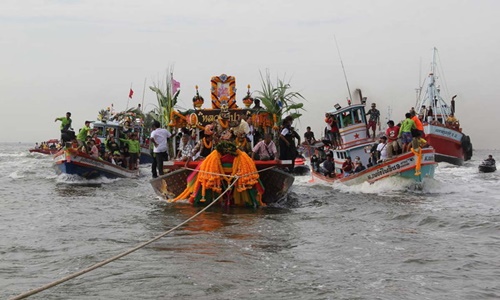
(448, 144)
(73, 162)
(403, 166)
(487, 169)
(44, 151)
(274, 183)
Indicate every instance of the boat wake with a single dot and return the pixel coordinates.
(77, 180)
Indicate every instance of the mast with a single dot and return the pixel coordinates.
(345, 75)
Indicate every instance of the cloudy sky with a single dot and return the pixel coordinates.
(83, 55)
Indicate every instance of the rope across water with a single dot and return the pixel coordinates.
(107, 261)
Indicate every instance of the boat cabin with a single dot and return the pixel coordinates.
(355, 140)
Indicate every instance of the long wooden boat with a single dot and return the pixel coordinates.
(74, 162)
(446, 137)
(226, 171)
(356, 142)
(271, 186)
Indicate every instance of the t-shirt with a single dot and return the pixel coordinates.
(309, 136)
(418, 124)
(382, 148)
(347, 166)
(374, 114)
(160, 135)
(392, 133)
(264, 150)
(65, 123)
(82, 135)
(406, 126)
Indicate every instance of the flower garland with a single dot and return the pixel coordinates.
(241, 145)
(209, 145)
(223, 123)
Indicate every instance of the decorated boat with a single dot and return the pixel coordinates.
(49, 147)
(74, 162)
(441, 127)
(228, 169)
(109, 160)
(355, 141)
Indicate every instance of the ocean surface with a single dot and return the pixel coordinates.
(380, 241)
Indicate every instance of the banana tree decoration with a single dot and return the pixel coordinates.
(166, 99)
(279, 100)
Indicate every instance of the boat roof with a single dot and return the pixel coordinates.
(344, 109)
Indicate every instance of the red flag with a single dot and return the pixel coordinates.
(130, 94)
(175, 86)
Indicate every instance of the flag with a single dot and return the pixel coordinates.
(175, 86)
(130, 94)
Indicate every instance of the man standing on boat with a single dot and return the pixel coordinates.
(82, 134)
(65, 125)
(392, 133)
(159, 137)
(374, 119)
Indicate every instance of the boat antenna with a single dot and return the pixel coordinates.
(342, 64)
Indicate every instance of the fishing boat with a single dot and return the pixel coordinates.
(108, 127)
(74, 162)
(442, 130)
(355, 141)
(48, 147)
(227, 171)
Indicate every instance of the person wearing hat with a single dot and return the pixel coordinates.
(374, 120)
(82, 134)
(392, 133)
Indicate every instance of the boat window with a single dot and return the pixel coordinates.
(357, 116)
(346, 119)
(99, 130)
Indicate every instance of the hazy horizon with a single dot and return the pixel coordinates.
(82, 56)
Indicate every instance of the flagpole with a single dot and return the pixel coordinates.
(128, 99)
(143, 93)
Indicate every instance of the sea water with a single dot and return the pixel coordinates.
(379, 241)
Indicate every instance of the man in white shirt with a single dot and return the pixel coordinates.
(159, 137)
(382, 148)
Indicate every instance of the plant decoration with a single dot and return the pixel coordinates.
(279, 100)
(166, 99)
(226, 147)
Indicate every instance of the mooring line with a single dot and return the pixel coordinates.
(107, 261)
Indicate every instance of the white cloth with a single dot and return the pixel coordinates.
(383, 150)
(242, 127)
(160, 135)
(285, 131)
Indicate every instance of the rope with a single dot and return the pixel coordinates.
(226, 175)
(107, 261)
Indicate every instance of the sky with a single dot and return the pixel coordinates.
(83, 55)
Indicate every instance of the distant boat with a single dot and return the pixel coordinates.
(48, 147)
(443, 133)
(487, 166)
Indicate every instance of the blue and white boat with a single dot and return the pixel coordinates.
(74, 162)
(356, 142)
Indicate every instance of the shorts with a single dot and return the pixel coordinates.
(372, 125)
(134, 156)
(406, 137)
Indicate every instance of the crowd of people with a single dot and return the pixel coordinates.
(122, 150)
